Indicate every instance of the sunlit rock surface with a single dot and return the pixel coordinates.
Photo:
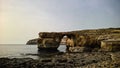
(110, 45)
(88, 39)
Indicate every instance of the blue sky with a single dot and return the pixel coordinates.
(21, 20)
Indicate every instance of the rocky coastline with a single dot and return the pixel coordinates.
(107, 39)
(98, 48)
(66, 60)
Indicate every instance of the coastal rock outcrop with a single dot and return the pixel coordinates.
(52, 40)
(110, 45)
(88, 39)
(32, 41)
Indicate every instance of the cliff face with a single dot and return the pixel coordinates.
(84, 38)
(32, 42)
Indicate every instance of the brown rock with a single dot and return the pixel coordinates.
(110, 45)
(83, 38)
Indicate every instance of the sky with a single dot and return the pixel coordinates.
(21, 20)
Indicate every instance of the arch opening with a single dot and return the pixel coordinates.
(67, 41)
(62, 47)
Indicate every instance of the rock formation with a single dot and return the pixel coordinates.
(32, 42)
(86, 39)
(110, 45)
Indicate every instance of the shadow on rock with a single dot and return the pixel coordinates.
(48, 53)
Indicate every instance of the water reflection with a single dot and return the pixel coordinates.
(49, 53)
(62, 48)
(45, 54)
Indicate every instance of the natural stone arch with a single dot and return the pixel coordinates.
(70, 42)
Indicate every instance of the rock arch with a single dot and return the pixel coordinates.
(53, 39)
(83, 38)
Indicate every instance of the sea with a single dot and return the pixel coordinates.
(26, 51)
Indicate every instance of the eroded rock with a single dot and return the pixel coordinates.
(83, 38)
(32, 41)
(110, 45)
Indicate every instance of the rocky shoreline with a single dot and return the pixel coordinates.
(66, 60)
(98, 48)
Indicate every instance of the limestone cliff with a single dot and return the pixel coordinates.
(32, 41)
(83, 38)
